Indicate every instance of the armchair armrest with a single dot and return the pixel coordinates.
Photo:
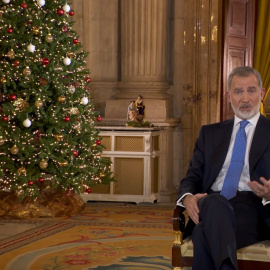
(178, 221)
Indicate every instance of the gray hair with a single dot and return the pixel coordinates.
(244, 71)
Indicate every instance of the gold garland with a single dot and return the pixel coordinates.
(50, 204)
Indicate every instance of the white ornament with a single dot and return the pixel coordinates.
(31, 48)
(41, 2)
(84, 100)
(66, 8)
(27, 123)
(6, 1)
(71, 89)
(67, 61)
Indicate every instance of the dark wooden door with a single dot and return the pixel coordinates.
(239, 25)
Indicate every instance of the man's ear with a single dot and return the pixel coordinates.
(228, 96)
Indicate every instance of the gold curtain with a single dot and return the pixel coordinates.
(262, 45)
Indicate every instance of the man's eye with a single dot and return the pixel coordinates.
(238, 92)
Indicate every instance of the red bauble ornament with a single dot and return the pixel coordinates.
(10, 30)
(4, 118)
(75, 153)
(45, 61)
(12, 97)
(16, 63)
(65, 29)
(75, 41)
(24, 5)
(67, 118)
(99, 118)
(30, 183)
(88, 80)
(60, 11)
(43, 81)
(88, 190)
(40, 179)
(98, 142)
(71, 13)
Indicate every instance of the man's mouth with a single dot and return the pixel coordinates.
(245, 107)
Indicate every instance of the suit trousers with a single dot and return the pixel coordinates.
(224, 227)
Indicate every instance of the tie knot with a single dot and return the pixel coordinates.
(243, 123)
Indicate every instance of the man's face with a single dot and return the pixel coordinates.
(245, 96)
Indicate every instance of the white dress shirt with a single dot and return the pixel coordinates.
(245, 177)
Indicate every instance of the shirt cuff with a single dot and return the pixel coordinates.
(180, 201)
(265, 202)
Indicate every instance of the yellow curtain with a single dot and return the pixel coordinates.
(262, 46)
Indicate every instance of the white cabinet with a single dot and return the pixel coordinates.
(135, 156)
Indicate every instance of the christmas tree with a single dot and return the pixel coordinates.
(48, 139)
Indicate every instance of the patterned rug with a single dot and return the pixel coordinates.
(104, 236)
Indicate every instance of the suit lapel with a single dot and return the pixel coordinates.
(221, 143)
(260, 141)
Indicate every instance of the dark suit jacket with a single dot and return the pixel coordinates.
(210, 152)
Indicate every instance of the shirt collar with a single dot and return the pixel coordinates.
(253, 120)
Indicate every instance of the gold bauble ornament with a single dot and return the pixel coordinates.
(20, 104)
(71, 89)
(74, 111)
(35, 30)
(3, 80)
(102, 175)
(11, 54)
(62, 99)
(27, 71)
(64, 163)
(59, 137)
(49, 38)
(70, 54)
(14, 150)
(2, 141)
(43, 164)
(38, 103)
(22, 171)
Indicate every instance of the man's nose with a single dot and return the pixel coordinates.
(245, 96)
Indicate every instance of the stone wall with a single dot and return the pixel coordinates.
(168, 51)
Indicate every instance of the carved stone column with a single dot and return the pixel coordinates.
(144, 55)
(144, 60)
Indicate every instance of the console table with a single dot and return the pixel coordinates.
(135, 156)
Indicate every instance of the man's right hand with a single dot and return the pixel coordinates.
(191, 204)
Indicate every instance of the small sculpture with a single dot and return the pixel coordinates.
(132, 111)
(140, 108)
(135, 114)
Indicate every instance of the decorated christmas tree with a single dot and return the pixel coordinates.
(50, 148)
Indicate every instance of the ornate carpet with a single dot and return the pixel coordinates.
(103, 236)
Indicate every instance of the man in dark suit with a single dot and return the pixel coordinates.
(222, 223)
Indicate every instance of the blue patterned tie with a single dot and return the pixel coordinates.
(232, 178)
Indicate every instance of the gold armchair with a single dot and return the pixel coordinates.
(256, 256)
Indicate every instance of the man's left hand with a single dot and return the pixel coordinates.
(261, 190)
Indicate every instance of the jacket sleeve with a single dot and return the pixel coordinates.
(192, 183)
